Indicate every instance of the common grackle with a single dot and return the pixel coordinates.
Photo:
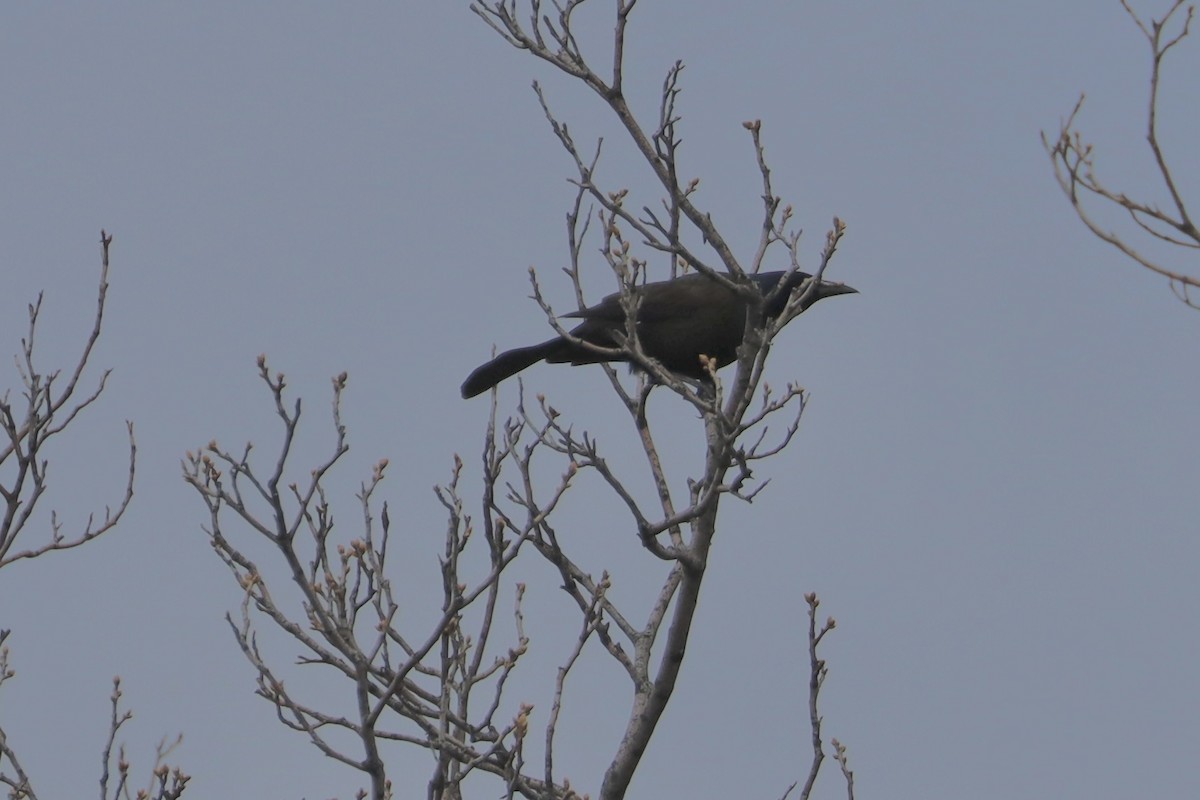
(678, 321)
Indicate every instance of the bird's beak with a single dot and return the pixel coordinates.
(829, 289)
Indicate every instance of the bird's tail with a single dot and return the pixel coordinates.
(507, 364)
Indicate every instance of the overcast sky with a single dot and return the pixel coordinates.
(993, 491)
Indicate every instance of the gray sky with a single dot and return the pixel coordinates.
(994, 486)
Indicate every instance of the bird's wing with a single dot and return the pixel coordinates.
(661, 301)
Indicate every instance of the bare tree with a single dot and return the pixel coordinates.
(46, 405)
(1074, 167)
(444, 686)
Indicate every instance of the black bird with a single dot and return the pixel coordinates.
(678, 321)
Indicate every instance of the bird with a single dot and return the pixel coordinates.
(678, 321)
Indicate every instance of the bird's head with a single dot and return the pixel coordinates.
(796, 281)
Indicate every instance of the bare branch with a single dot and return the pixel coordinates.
(843, 760)
(351, 621)
(48, 409)
(165, 782)
(1074, 169)
(817, 673)
(17, 782)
